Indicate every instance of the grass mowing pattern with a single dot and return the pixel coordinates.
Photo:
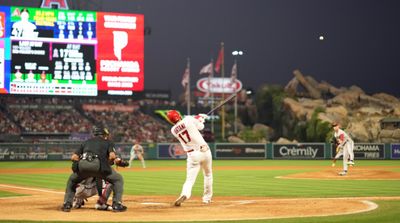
(226, 182)
(8, 194)
(238, 183)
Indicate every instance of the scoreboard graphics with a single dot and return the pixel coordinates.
(69, 52)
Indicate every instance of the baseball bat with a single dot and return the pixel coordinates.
(222, 103)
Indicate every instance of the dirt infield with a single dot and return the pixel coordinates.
(44, 204)
(354, 173)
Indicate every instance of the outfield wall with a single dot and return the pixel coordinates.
(168, 151)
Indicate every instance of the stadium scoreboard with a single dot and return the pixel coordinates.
(68, 52)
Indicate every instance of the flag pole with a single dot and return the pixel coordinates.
(236, 119)
(188, 87)
(223, 93)
(211, 94)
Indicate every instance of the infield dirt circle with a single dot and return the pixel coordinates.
(44, 204)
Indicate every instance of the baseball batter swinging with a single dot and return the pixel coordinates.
(187, 131)
(345, 147)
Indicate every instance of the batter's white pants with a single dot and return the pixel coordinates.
(195, 161)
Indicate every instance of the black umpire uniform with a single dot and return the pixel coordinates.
(94, 161)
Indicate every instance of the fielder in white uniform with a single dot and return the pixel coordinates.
(187, 131)
(346, 146)
(137, 152)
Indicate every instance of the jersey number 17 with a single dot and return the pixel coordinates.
(184, 136)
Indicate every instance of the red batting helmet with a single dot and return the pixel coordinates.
(173, 116)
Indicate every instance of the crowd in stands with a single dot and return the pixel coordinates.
(126, 126)
(50, 121)
(7, 126)
(68, 115)
(36, 101)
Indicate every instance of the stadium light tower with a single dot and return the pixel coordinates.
(235, 54)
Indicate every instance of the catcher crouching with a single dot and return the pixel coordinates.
(92, 186)
(94, 159)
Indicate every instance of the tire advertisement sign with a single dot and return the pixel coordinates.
(369, 151)
(395, 149)
(240, 151)
(170, 151)
(299, 151)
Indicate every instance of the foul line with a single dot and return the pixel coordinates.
(333, 178)
(365, 200)
(33, 189)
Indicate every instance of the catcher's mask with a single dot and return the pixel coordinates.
(174, 116)
(97, 131)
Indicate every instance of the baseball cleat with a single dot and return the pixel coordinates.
(351, 163)
(118, 207)
(103, 207)
(66, 207)
(180, 200)
(343, 173)
(207, 202)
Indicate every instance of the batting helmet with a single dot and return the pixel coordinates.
(97, 130)
(174, 116)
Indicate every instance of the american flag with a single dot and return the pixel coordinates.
(207, 69)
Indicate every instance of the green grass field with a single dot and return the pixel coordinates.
(239, 183)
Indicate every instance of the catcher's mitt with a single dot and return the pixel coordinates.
(121, 163)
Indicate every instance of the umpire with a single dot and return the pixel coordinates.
(93, 159)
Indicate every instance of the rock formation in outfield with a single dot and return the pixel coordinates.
(361, 114)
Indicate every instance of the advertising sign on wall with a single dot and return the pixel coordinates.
(299, 151)
(395, 150)
(170, 151)
(369, 151)
(240, 151)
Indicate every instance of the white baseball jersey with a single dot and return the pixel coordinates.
(187, 132)
(347, 143)
(137, 152)
(343, 136)
(198, 155)
(136, 149)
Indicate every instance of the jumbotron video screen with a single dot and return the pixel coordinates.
(67, 52)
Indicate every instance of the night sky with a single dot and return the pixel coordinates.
(361, 45)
